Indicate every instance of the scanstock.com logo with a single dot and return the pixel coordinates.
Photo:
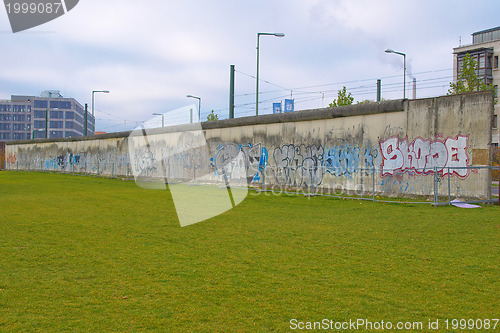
(25, 15)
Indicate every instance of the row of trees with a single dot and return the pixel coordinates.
(467, 82)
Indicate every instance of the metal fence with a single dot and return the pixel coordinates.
(438, 186)
(95, 168)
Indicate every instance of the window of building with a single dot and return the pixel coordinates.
(18, 108)
(482, 62)
(39, 124)
(60, 104)
(18, 117)
(69, 115)
(69, 134)
(459, 65)
(18, 127)
(69, 125)
(495, 121)
(496, 34)
(18, 136)
(5, 107)
(56, 134)
(39, 114)
(56, 124)
(495, 89)
(56, 114)
(495, 62)
(39, 134)
(28, 136)
(78, 128)
(79, 108)
(4, 127)
(78, 118)
(40, 104)
(5, 117)
(4, 136)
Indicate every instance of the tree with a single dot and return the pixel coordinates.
(343, 98)
(212, 116)
(366, 101)
(467, 80)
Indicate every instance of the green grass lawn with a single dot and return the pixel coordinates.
(94, 254)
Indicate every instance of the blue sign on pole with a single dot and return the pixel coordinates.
(277, 107)
(288, 105)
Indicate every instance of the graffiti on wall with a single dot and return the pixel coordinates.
(346, 160)
(11, 158)
(290, 164)
(425, 156)
(96, 161)
(144, 161)
(299, 165)
(240, 161)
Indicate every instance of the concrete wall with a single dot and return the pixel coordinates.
(397, 147)
(2, 155)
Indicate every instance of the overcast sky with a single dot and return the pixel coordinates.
(150, 54)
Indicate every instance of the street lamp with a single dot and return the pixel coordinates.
(199, 105)
(276, 34)
(162, 118)
(94, 91)
(404, 73)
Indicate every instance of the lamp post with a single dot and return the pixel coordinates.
(276, 34)
(94, 91)
(162, 118)
(404, 73)
(199, 105)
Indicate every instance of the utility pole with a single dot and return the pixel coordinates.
(231, 92)
(85, 129)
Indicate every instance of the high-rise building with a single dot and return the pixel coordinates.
(485, 49)
(49, 115)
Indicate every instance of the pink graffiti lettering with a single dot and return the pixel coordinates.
(425, 156)
(11, 158)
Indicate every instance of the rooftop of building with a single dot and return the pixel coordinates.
(485, 36)
(52, 94)
(478, 38)
(487, 30)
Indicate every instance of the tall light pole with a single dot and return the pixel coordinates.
(276, 34)
(199, 105)
(94, 91)
(404, 73)
(162, 118)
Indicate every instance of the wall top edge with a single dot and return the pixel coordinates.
(364, 109)
(297, 116)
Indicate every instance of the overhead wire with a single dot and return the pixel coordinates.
(310, 93)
